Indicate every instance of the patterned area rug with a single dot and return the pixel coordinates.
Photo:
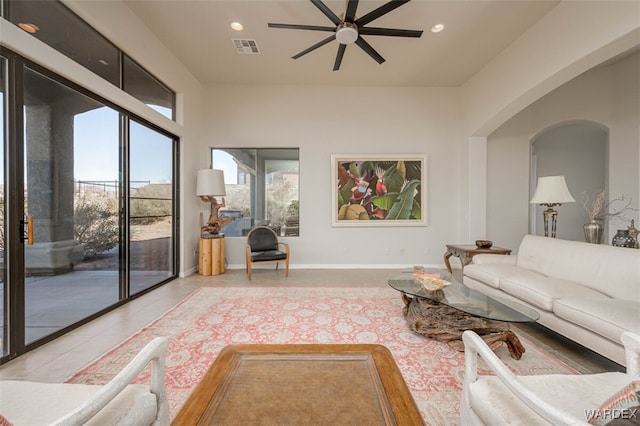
(211, 318)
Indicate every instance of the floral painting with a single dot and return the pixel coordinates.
(379, 190)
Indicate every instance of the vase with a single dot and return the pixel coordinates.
(623, 239)
(633, 231)
(593, 231)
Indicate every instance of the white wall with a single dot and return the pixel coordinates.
(345, 120)
(607, 95)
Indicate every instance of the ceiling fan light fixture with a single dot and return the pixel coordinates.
(347, 33)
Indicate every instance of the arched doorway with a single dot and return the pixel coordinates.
(579, 151)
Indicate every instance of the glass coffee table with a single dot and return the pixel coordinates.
(446, 313)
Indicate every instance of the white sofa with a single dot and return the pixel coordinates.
(25, 403)
(502, 398)
(589, 293)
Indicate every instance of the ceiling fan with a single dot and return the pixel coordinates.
(350, 30)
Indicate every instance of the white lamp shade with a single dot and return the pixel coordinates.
(552, 190)
(210, 182)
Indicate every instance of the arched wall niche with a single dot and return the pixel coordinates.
(577, 150)
(603, 99)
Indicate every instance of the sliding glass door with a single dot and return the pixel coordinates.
(151, 201)
(87, 206)
(4, 318)
(71, 167)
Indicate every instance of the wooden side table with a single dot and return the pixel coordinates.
(465, 253)
(211, 255)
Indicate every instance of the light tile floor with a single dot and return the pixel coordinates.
(57, 360)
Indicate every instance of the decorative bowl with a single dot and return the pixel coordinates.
(484, 243)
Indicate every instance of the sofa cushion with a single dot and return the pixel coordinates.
(607, 317)
(33, 404)
(509, 259)
(596, 266)
(490, 273)
(496, 405)
(542, 291)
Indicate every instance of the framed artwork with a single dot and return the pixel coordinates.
(378, 190)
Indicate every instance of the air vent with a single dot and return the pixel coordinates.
(246, 47)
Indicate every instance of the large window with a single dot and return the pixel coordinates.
(262, 186)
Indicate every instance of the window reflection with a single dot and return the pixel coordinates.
(262, 188)
(146, 88)
(64, 31)
(56, 25)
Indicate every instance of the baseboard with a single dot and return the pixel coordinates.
(341, 266)
(188, 272)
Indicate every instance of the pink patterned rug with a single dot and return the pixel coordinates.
(211, 318)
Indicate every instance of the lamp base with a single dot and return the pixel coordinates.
(550, 213)
(216, 221)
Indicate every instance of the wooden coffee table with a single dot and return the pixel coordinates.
(301, 384)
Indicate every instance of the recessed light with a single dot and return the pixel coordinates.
(29, 27)
(437, 28)
(236, 26)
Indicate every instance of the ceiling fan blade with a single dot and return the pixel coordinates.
(391, 32)
(315, 46)
(376, 13)
(324, 9)
(341, 49)
(350, 15)
(370, 50)
(302, 27)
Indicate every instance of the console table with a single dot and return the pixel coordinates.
(465, 253)
(211, 255)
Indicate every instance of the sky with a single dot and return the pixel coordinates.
(96, 149)
(224, 161)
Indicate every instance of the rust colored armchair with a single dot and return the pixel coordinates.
(263, 246)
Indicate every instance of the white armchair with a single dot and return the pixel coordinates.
(506, 399)
(117, 403)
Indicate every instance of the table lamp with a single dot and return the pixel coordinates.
(551, 191)
(209, 185)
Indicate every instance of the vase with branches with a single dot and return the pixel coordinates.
(601, 210)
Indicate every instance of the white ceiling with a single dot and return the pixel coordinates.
(199, 34)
